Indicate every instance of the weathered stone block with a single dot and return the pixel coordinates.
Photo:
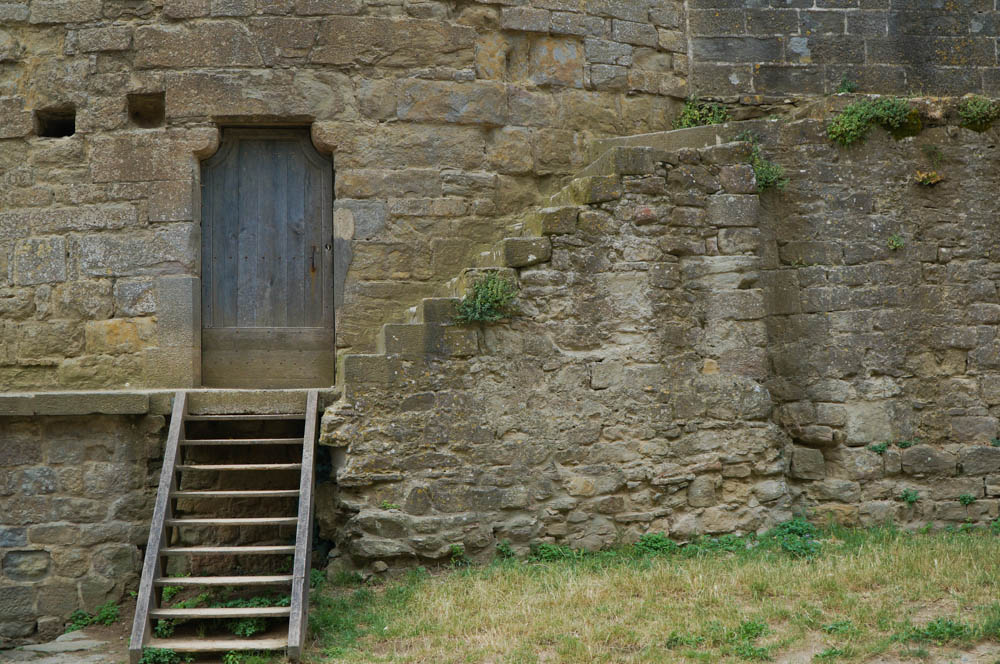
(844, 491)
(11, 536)
(82, 299)
(112, 38)
(26, 565)
(15, 122)
(119, 335)
(217, 43)
(64, 11)
(526, 19)
(17, 603)
(171, 248)
(701, 492)
(556, 61)
(733, 210)
(927, 460)
(39, 261)
(970, 429)
(393, 42)
(635, 33)
(980, 460)
(807, 464)
(133, 297)
(522, 252)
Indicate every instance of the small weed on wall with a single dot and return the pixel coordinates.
(892, 113)
(978, 113)
(699, 114)
(489, 300)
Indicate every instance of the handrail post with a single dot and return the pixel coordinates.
(297, 623)
(150, 568)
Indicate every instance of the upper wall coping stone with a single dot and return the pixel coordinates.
(676, 139)
(156, 402)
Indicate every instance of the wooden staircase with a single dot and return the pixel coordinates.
(191, 442)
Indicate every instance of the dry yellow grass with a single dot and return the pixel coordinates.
(866, 589)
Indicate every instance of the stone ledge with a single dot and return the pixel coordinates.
(156, 402)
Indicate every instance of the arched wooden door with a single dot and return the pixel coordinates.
(267, 262)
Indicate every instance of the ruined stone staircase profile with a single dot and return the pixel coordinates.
(273, 449)
(431, 331)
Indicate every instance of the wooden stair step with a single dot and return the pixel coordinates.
(253, 493)
(246, 521)
(235, 612)
(241, 466)
(237, 550)
(218, 645)
(249, 418)
(276, 580)
(241, 441)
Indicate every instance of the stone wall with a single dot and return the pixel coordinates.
(76, 496)
(695, 358)
(628, 398)
(442, 116)
(806, 47)
(868, 344)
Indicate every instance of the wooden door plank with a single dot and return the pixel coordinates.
(249, 221)
(227, 242)
(266, 170)
(295, 241)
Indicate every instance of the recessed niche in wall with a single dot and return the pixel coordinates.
(55, 122)
(147, 109)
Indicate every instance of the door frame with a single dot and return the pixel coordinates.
(223, 147)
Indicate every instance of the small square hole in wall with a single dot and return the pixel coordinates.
(147, 109)
(55, 122)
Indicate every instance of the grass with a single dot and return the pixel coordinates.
(858, 596)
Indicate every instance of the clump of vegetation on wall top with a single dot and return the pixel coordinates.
(698, 114)
(978, 113)
(489, 299)
(892, 113)
(768, 174)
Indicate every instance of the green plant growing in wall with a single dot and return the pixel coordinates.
(386, 505)
(894, 114)
(909, 496)
(698, 114)
(489, 299)
(895, 242)
(846, 85)
(978, 113)
(966, 499)
(995, 442)
(879, 448)
(768, 174)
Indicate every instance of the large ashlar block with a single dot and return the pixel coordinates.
(209, 44)
(390, 42)
(462, 103)
(269, 93)
(170, 248)
(65, 11)
(40, 260)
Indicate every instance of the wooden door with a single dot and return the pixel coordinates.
(267, 262)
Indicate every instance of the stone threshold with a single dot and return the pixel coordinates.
(159, 402)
